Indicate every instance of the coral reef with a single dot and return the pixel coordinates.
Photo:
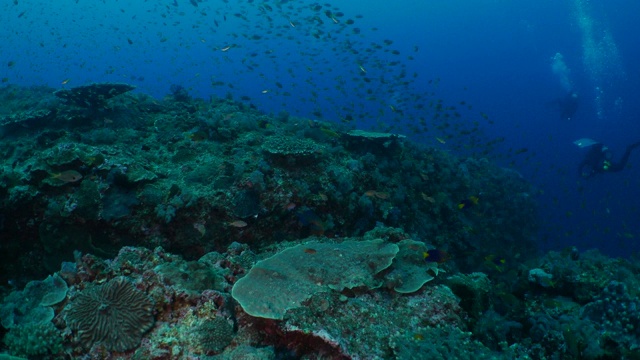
(33, 305)
(34, 340)
(185, 228)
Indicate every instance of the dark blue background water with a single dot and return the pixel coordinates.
(495, 55)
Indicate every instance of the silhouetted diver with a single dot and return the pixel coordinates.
(599, 160)
(568, 105)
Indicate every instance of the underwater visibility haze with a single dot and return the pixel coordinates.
(275, 179)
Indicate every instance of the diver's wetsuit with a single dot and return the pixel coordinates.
(598, 160)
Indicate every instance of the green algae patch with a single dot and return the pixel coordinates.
(290, 277)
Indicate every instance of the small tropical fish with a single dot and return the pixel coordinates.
(238, 224)
(428, 198)
(263, 124)
(65, 81)
(381, 195)
(471, 201)
(95, 160)
(435, 255)
(198, 136)
(495, 262)
(546, 282)
(377, 194)
(67, 176)
(329, 132)
(440, 140)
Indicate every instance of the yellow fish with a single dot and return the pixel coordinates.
(495, 262)
(467, 203)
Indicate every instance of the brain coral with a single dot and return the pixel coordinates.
(116, 314)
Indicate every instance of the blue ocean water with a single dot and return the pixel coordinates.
(495, 56)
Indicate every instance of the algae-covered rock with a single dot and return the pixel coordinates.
(9, 357)
(26, 116)
(34, 341)
(64, 154)
(473, 290)
(190, 275)
(33, 304)
(117, 203)
(251, 353)
(296, 151)
(215, 334)
(60, 241)
(373, 142)
(93, 95)
(246, 203)
(88, 200)
(288, 278)
(137, 174)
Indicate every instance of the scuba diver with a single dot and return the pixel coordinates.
(567, 105)
(599, 158)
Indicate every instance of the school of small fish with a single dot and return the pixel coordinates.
(306, 58)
